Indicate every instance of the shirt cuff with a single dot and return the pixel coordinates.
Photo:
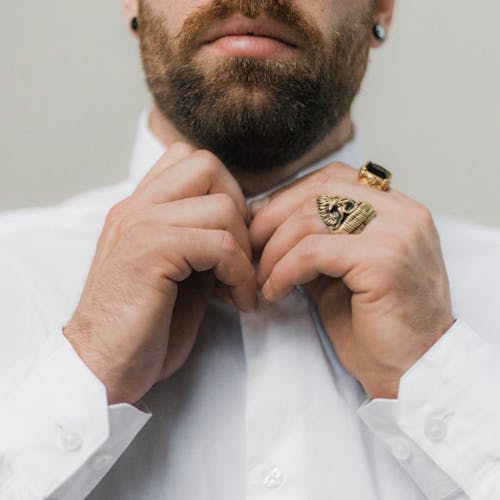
(443, 427)
(57, 430)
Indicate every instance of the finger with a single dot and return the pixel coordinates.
(288, 197)
(175, 153)
(221, 293)
(341, 170)
(333, 256)
(183, 250)
(287, 236)
(190, 307)
(307, 221)
(216, 211)
(198, 174)
(269, 218)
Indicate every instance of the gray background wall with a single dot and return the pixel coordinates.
(72, 88)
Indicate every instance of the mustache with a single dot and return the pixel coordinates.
(284, 12)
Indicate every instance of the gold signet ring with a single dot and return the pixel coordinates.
(375, 176)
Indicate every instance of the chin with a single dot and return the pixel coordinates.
(249, 96)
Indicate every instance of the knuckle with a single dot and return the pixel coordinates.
(224, 203)
(118, 211)
(207, 166)
(308, 247)
(208, 160)
(424, 215)
(163, 245)
(398, 249)
(308, 209)
(227, 242)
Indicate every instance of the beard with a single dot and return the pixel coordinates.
(254, 114)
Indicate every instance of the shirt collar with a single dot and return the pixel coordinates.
(148, 150)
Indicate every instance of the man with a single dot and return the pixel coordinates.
(258, 318)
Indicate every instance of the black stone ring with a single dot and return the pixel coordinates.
(375, 176)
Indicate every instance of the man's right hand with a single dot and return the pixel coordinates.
(158, 256)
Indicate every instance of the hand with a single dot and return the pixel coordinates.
(156, 261)
(383, 295)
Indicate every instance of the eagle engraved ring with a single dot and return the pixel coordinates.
(344, 215)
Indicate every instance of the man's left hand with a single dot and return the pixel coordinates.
(383, 295)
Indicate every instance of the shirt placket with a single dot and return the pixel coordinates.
(276, 399)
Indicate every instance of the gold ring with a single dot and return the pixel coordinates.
(344, 215)
(375, 176)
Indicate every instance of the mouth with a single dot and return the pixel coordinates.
(259, 38)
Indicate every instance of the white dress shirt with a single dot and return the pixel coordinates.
(262, 410)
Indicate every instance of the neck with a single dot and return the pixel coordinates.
(252, 184)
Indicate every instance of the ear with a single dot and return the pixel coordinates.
(131, 8)
(383, 12)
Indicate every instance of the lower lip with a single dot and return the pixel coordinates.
(258, 47)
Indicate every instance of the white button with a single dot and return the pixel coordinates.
(71, 438)
(272, 477)
(402, 449)
(436, 428)
(101, 462)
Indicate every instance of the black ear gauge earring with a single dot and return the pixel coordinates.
(379, 32)
(134, 24)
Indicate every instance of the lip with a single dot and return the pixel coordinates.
(256, 47)
(262, 28)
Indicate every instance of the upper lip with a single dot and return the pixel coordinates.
(241, 26)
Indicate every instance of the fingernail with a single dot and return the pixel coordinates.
(267, 291)
(258, 205)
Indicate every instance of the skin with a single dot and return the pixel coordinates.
(142, 305)
(191, 212)
(383, 295)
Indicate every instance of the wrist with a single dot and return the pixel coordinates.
(387, 385)
(382, 389)
(101, 367)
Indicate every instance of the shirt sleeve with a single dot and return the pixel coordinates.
(57, 433)
(444, 426)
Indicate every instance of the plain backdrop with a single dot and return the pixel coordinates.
(72, 89)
